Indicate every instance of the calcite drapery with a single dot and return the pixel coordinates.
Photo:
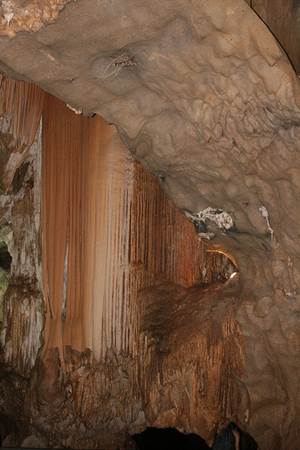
(108, 231)
(21, 110)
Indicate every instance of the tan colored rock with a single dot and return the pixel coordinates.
(20, 15)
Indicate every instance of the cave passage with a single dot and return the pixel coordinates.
(168, 438)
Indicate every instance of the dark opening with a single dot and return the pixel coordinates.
(232, 438)
(19, 177)
(167, 439)
(5, 257)
(8, 427)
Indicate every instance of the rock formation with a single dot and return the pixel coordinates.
(205, 98)
(97, 238)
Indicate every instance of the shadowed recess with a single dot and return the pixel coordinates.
(168, 438)
(5, 257)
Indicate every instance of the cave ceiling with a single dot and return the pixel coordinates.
(203, 95)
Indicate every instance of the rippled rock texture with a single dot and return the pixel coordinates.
(204, 97)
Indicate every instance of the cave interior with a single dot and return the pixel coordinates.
(149, 224)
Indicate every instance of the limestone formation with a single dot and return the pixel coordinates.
(73, 327)
(206, 99)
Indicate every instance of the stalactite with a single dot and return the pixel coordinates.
(110, 235)
(23, 102)
(21, 106)
(108, 232)
(59, 149)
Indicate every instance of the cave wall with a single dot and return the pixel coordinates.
(21, 304)
(100, 256)
(194, 356)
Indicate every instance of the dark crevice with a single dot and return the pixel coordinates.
(19, 177)
(168, 438)
(229, 438)
(7, 427)
(5, 257)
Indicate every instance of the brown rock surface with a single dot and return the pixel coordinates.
(193, 356)
(282, 17)
(205, 98)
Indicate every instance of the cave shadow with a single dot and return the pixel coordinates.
(5, 257)
(167, 439)
(229, 438)
(8, 427)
